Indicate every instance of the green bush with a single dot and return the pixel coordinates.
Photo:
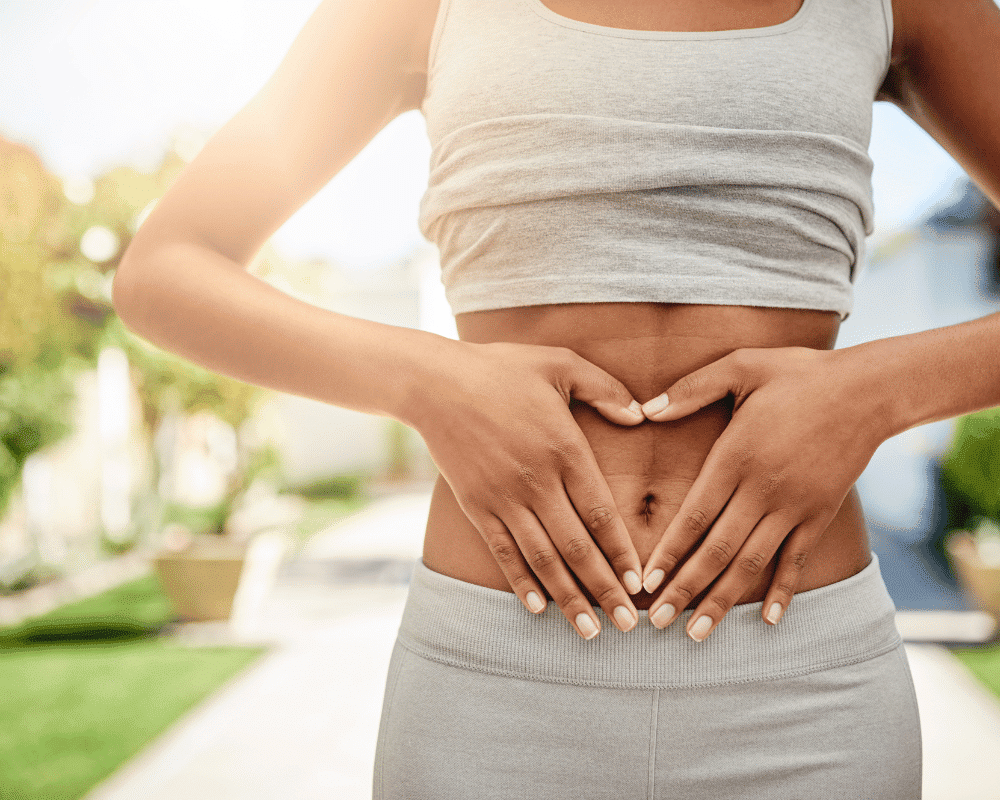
(136, 609)
(346, 486)
(970, 470)
(36, 402)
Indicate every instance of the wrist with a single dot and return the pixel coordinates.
(428, 379)
(874, 390)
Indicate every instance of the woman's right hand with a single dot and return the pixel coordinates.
(497, 422)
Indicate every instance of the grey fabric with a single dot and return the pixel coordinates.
(576, 163)
(485, 700)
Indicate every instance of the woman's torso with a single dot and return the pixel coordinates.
(650, 467)
(647, 346)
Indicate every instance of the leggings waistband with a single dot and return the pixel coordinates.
(488, 630)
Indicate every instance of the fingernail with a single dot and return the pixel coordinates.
(535, 603)
(632, 582)
(586, 625)
(699, 630)
(663, 615)
(624, 618)
(635, 409)
(655, 406)
(653, 579)
(774, 613)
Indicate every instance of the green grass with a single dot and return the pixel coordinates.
(321, 512)
(87, 686)
(984, 663)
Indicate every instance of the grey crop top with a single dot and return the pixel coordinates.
(575, 163)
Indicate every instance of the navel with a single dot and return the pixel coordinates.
(647, 506)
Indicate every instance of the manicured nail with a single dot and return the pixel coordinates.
(653, 407)
(635, 409)
(535, 603)
(663, 615)
(624, 618)
(774, 613)
(699, 630)
(586, 625)
(653, 579)
(632, 582)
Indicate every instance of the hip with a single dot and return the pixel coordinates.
(454, 547)
(482, 694)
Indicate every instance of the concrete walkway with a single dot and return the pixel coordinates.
(302, 723)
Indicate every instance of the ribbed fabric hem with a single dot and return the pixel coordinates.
(648, 287)
(487, 630)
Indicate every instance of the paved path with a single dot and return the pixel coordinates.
(302, 722)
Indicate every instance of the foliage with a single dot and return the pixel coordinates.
(321, 513)
(35, 389)
(347, 485)
(28, 199)
(984, 662)
(164, 380)
(209, 519)
(970, 470)
(135, 608)
(56, 314)
(25, 573)
(35, 411)
(51, 294)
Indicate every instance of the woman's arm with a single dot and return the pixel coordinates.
(933, 375)
(806, 423)
(496, 417)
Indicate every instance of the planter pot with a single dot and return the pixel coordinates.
(201, 580)
(980, 582)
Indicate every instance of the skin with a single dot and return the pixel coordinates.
(944, 76)
(761, 505)
(742, 490)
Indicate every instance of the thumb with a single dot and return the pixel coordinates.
(590, 384)
(693, 392)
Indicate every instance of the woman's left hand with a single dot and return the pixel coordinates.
(805, 425)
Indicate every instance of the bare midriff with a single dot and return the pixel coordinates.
(650, 467)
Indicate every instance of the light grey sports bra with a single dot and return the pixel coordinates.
(575, 163)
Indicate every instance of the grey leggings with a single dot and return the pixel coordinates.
(484, 700)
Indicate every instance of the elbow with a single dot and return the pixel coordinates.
(123, 291)
(130, 276)
(118, 293)
(127, 283)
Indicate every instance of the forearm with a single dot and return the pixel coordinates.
(195, 302)
(932, 375)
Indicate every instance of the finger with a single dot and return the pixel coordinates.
(595, 506)
(713, 555)
(794, 555)
(587, 382)
(756, 553)
(703, 503)
(512, 563)
(585, 559)
(694, 391)
(546, 563)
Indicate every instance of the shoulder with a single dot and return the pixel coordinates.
(932, 33)
(945, 75)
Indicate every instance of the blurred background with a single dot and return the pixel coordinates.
(192, 569)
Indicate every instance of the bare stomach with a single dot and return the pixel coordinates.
(649, 467)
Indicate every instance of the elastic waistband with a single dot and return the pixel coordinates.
(488, 630)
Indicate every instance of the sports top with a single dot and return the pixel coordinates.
(577, 163)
